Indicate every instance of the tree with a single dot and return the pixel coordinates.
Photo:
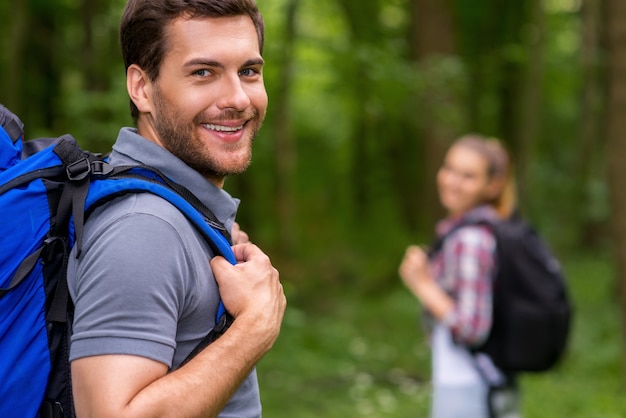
(589, 164)
(365, 36)
(616, 109)
(527, 129)
(433, 49)
(285, 141)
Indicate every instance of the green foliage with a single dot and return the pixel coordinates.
(358, 104)
(346, 358)
(359, 101)
(588, 383)
(96, 116)
(365, 356)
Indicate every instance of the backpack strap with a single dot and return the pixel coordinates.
(77, 169)
(152, 174)
(72, 202)
(12, 125)
(437, 245)
(121, 180)
(223, 323)
(25, 267)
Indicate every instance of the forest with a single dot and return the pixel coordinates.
(365, 96)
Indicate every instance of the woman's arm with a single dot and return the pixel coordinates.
(469, 259)
(416, 275)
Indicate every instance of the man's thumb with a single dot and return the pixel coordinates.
(218, 263)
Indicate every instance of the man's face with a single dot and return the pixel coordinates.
(209, 100)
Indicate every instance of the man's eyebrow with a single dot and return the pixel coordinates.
(210, 63)
(255, 61)
(204, 62)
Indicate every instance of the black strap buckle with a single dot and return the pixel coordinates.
(101, 167)
(78, 170)
(51, 409)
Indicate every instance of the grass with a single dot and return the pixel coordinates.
(589, 382)
(360, 357)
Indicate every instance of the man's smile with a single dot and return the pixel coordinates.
(223, 128)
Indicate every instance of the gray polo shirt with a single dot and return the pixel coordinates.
(143, 284)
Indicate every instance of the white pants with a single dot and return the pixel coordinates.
(459, 390)
(459, 402)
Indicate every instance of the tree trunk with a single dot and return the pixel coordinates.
(15, 61)
(616, 109)
(365, 33)
(592, 149)
(432, 41)
(285, 143)
(88, 50)
(530, 97)
(511, 18)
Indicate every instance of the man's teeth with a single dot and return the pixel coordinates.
(221, 128)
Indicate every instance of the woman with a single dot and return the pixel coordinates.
(454, 287)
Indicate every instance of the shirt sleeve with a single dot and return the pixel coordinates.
(470, 261)
(128, 290)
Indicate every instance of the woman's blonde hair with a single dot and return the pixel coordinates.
(500, 167)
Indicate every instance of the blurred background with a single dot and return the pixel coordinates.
(365, 96)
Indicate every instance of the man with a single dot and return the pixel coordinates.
(144, 289)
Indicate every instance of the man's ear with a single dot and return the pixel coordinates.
(139, 88)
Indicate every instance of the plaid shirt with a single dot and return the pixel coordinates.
(464, 269)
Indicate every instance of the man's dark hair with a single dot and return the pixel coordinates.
(142, 28)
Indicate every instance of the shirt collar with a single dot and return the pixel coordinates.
(131, 148)
(477, 213)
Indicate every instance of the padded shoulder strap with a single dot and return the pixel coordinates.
(438, 243)
(123, 180)
(146, 173)
(105, 189)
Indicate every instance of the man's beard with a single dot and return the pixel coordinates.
(180, 137)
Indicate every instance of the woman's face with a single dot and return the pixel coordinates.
(463, 180)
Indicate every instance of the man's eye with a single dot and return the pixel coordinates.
(202, 73)
(249, 72)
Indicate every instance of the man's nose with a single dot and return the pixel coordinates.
(233, 94)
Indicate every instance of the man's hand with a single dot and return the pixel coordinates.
(238, 235)
(133, 386)
(251, 290)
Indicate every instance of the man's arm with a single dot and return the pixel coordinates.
(131, 386)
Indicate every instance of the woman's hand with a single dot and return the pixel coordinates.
(414, 269)
(415, 273)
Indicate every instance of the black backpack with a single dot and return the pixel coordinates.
(532, 311)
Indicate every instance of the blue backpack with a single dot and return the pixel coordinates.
(48, 187)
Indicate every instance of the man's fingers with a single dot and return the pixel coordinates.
(218, 260)
(242, 237)
(244, 252)
(252, 285)
(239, 235)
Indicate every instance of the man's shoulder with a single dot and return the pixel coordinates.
(137, 204)
(144, 218)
